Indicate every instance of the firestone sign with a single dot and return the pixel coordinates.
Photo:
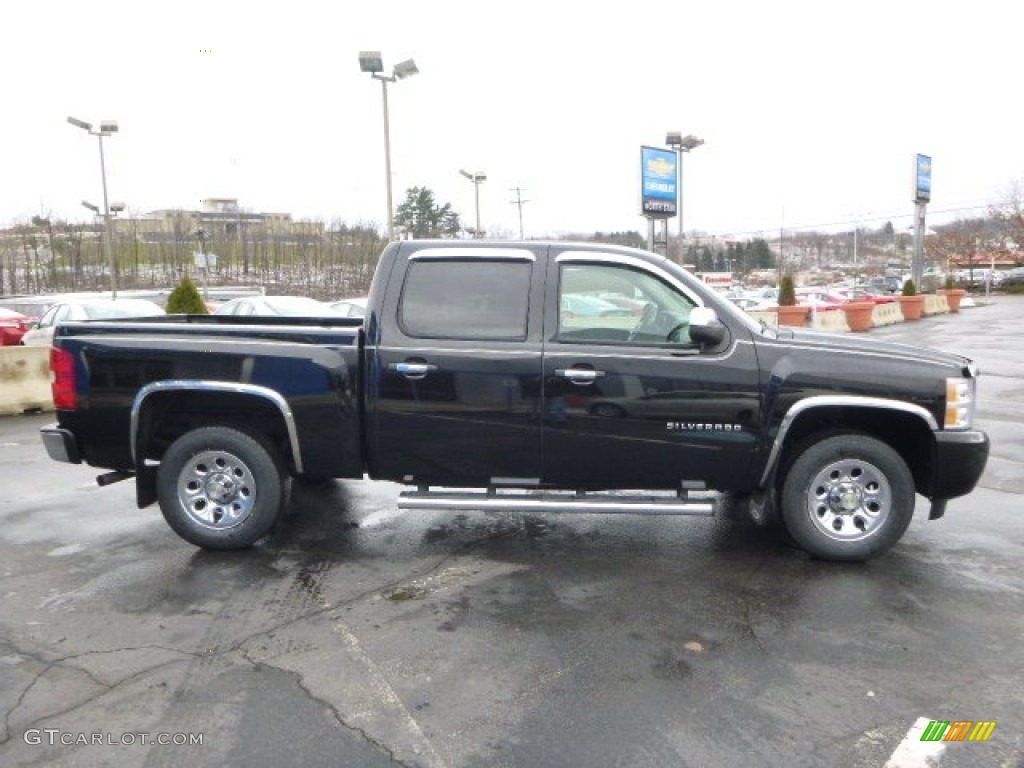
(659, 191)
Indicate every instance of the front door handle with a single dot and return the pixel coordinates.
(412, 371)
(582, 376)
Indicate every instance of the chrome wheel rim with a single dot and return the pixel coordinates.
(849, 500)
(216, 490)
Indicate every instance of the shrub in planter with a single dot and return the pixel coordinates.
(185, 300)
(789, 312)
(911, 303)
(787, 292)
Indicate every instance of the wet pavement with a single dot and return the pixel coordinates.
(359, 635)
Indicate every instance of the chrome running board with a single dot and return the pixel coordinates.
(589, 503)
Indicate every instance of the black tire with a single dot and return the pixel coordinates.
(220, 488)
(847, 497)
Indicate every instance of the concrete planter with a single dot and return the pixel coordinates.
(858, 315)
(912, 306)
(953, 297)
(795, 315)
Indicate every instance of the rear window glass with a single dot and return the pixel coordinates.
(459, 299)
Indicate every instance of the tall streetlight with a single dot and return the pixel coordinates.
(681, 144)
(107, 128)
(371, 61)
(477, 177)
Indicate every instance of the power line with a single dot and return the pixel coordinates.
(520, 203)
(858, 220)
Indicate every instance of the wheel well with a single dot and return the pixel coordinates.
(904, 432)
(166, 416)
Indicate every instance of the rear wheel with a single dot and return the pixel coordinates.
(220, 488)
(847, 497)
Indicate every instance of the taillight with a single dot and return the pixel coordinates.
(62, 379)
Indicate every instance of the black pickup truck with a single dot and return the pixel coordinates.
(546, 376)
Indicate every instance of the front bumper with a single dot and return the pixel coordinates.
(959, 461)
(60, 444)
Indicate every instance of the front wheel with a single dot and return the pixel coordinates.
(220, 488)
(848, 497)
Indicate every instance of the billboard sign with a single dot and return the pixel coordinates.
(658, 188)
(922, 178)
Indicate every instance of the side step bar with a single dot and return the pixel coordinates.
(553, 502)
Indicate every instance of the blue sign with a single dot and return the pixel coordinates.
(659, 191)
(922, 179)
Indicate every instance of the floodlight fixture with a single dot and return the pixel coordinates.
(689, 142)
(371, 61)
(680, 144)
(405, 69)
(106, 129)
(476, 177)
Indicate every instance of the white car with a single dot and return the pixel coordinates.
(41, 333)
(351, 307)
(280, 306)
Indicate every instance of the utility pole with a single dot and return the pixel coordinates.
(520, 203)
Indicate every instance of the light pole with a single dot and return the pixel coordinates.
(681, 144)
(477, 177)
(107, 128)
(371, 61)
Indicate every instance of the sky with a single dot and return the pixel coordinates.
(811, 112)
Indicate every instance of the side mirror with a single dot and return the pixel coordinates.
(705, 329)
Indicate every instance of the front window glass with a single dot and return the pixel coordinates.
(620, 305)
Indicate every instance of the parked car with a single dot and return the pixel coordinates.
(753, 304)
(13, 326)
(886, 283)
(41, 334)
(1014, 276)
(350, 307)
(579, 305)
(851, 295)
(281, 306)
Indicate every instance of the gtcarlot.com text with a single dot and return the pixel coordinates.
(52, 737)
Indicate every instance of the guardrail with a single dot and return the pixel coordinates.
(24, 380)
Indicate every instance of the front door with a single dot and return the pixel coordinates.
(630, 402)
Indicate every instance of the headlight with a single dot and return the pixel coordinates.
(959, 403)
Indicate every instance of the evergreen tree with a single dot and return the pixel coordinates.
(185, 300)
(422, 217)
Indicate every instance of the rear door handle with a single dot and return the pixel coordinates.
(412, 371)
(579, 375)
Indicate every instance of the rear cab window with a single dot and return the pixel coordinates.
(473, 299)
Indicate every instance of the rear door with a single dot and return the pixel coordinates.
(629, 401)
(454, 363)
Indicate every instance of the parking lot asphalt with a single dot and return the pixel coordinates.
(360, 635)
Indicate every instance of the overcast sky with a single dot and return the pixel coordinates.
(811, 111)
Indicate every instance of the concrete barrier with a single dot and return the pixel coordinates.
(886, 314)
(770, 317)
(830, 320)
(24, 380)
(935, 304)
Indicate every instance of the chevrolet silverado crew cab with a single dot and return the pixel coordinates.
(529, 376)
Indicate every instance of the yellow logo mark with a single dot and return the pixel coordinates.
(661, 166)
